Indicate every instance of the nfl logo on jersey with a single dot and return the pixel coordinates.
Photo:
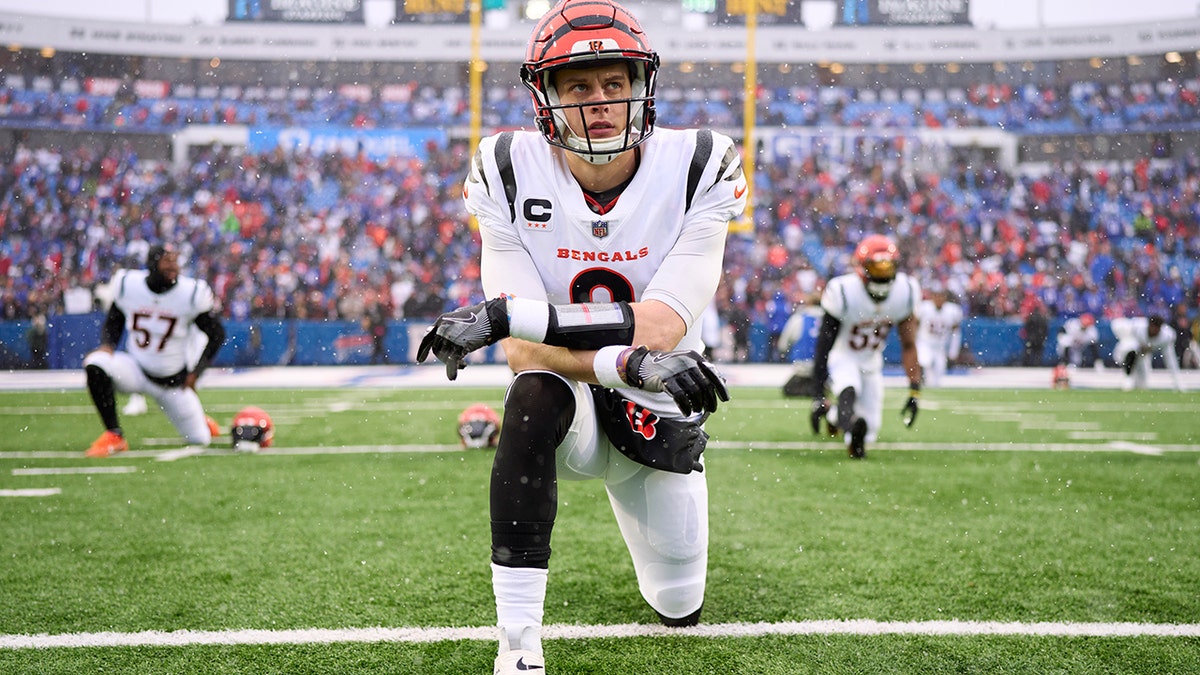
(599, 229)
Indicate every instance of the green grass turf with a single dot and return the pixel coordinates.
(968, 530)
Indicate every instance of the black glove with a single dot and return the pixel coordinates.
(820, 408)
(693, 382)
(458, 333)
(909, 412)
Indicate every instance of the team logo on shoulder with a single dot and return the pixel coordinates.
(599, 229)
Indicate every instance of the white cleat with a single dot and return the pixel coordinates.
(135, 406)
(519, 662)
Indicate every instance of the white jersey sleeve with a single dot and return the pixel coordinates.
(716, 195)
(506, 265)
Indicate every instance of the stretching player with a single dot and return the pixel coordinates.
(159, 309)
(860, 309)
(939, 334)
(1137, 340)
(603, 241)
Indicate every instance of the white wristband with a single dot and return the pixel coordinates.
(604, 365)
(528, 319)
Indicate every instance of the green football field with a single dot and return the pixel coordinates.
(1027, 531)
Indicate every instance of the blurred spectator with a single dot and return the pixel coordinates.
(1034, 332)
(38, 339)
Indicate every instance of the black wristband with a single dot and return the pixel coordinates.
(572, 326)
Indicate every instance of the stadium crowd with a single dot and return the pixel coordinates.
(333, 236)
(1076, 107)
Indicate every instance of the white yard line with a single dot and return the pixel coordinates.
(65, 470)
(31, 492)
(171, 454)
(184, 638)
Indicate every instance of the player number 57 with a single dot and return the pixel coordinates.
(868, 336)
(143, 334)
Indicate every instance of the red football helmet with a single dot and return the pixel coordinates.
(582, 33)
(252, 429)
(876, 257)
(478, 426)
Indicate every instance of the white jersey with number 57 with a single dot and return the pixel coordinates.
(158, 326)
(865, 322)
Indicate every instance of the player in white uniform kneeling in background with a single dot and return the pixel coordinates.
(861, 308)
(939, 334)
(159, 309)
(1137, 340)
(1078, 342)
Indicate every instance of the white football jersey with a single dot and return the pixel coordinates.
(1136, 331)
(159, 326)
(1075, 335)
(664, 239)
(865, 322)
(937, 326)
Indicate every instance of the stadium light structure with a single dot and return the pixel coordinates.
(749, 117)
(476, 67)
(535, 9)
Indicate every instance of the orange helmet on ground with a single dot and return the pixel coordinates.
(580, 34)
(478, 426)
(876, 258)
(252, 429)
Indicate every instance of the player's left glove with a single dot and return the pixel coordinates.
(693, 382)
(455, 334)
(909, 412)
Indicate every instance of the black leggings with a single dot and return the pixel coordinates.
(524, 489)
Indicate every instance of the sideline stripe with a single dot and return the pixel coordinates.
(575, 632)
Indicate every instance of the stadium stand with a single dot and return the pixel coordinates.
(1085, 197)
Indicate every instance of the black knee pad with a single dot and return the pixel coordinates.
(538, 402)
(96, 373)
(99, 383)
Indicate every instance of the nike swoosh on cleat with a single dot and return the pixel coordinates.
(466, 320)
(521, 665)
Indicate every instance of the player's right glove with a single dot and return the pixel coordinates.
(820, 408)
(909, 412)
(455, 334)
(693, 382)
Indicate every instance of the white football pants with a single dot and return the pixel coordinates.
(181, 405)
(663, 516)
